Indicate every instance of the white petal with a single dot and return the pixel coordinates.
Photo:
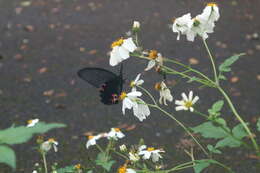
(191, 109)
(195, 100)
(150, 65)
(130, 170)
(140, 82)
(115, 57)
(124, 53)
(134, 94)
(137, 77)
(190, 95)
(179, 108)
(129, 45)
(184, 96)
(179, 102)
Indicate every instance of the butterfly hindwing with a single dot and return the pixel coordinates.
(109, 84)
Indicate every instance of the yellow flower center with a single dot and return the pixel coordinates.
(90, 137)
(157, 86)
(212, 4)
(150, 149)
(51, 140)
(77, 166)
(188, 104)
(153, 54)
(118, 42)
(122, 169)
(117, 129)
(29, 121)
(122, 96)
(132, 84)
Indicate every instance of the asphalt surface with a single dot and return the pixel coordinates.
(43, 43)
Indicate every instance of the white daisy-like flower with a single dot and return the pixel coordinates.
(181, 25)
(33, 122)
(187, 102)
(141, 109)
(155, 58)
(115, 133)
(121, 50)
(151, 153)
(165, 93)
(134, 156)
(49, 144)
(92, 140)
(124, 169)
(129, 99)
(136, 82)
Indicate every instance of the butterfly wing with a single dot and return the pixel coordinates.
(109, 84)
(96, 76)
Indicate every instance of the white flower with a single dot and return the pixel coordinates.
(124, 169)
(151, 153)
(92, 140)
(50, 143)
(34, 171)
(181, 25)
(136, 82)
(136, 25)
(165, 93)
(129, 99)
(141, 109)
(129, 170)
(156, 58)
(33, 122)
(187, 102)
(115, 133)
(134, 156)
(120, 50)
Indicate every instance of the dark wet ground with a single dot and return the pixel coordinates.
(44, 44)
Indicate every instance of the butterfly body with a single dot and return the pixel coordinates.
(109, 84)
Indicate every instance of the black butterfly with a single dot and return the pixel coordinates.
(109, 84)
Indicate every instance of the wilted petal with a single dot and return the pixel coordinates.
(129, 45)
(150, 65)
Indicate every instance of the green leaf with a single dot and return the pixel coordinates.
(21, 134)
(67, 169)
(104, 161)
(200, 165)
(258, 124)
(239, 131)
(208, 130)
(216, 108)
(222, 77)
(228, 142)
(221, 121)
(212, 149)
(7, 156)
(226, 65)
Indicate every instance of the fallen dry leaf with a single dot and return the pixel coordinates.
(48, 93)
(42, 70)
(193, 61)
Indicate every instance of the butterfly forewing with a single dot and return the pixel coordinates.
(96, 76)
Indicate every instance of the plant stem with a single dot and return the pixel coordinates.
(240, 119)
(45, 162)
(212, 62)
(185, 128)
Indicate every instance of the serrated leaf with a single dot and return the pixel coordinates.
(239, 131)
(7, 156)
(216, 107)
(200, 165)
(228, 142)
(226, 65)
(212, 149)
(208, 130)
(258, 124)
(67, 169)
(21, 134)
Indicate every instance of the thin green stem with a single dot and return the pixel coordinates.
(212, 62)
(148, 93)
(123, 156)
(251, 136)
(185, 128)
(100, 149)
(44, 162)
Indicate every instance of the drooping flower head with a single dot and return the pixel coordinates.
(49, 144)
(181, 25)
(121, 50)
(165, 93)
(155, 58)
(92, 140)
(187, 102)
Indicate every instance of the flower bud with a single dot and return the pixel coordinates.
(136, 26)
(123, 148)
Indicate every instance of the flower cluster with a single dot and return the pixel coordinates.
(201, 25)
